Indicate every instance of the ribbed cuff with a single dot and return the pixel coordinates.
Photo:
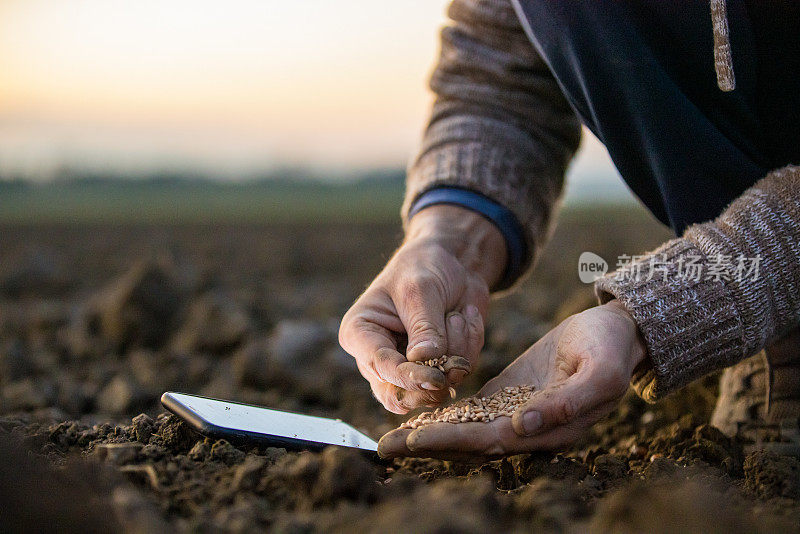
(499, 215)
(689, 320)
(489, 157)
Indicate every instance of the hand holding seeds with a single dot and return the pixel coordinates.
(545, 399)
(427, 303)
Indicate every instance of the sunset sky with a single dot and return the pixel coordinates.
(228, 88)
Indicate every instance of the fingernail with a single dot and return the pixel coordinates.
(427, 344)
(456, 322)
(472, 311)
(531, 421)
(456, 376)
(429, 386)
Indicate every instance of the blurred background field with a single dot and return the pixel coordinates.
(374, 196)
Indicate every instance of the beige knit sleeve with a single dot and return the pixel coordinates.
(720, 293)
(500, 124)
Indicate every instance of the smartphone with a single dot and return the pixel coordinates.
(244, 423)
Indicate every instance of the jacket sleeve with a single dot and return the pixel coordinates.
(720, 293)
(500, 125)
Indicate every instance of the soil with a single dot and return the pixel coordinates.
(96, 322)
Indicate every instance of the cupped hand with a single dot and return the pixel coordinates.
(581, 369)
(427, 302)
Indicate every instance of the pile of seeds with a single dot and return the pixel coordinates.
(502, 403)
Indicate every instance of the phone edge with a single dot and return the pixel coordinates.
(210, 430)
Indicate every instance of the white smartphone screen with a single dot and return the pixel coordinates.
(247, 418)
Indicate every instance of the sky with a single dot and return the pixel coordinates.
(227, 88)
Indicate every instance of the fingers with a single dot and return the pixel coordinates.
(416, 377)
(456, 346)
(370, 330)
(454, 441)
(464, 340)
(374, 347)
(366, 331)
(421, 308)
(477, 439)
(393, 444)
(401, 401)
(561, 404)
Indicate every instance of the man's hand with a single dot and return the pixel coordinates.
(581, 369)
(428, 301)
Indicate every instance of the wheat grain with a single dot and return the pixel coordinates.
(502, 403)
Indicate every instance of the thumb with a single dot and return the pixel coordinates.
(552, 407)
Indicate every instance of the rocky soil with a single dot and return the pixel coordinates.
(95, 323)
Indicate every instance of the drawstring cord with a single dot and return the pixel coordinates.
(723, 59)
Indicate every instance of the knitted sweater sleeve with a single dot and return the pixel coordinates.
(500, 125)
(720, 293)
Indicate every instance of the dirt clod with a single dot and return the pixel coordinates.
(141, 307)
(174, 434)
(770, 475)
(143, 427)
(610, 466)
(222, 451)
